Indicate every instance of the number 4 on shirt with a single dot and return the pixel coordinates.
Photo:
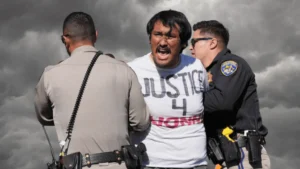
(183, 107)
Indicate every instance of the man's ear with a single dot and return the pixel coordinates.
(183, 46)
(149, 36)
(67, 40)
(214, 43)
(96, 36)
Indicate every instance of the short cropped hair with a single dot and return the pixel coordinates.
(213, 27)
(80, 26)
(170, 18)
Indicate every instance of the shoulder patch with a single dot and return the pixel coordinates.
(229, 67)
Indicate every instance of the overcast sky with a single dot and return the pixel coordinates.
(264, 32)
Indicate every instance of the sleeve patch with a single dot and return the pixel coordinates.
(229, 67)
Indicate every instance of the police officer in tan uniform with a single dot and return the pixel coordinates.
(112, 102)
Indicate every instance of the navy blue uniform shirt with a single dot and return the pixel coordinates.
(232, 98)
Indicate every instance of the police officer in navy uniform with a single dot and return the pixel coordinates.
(232, 99)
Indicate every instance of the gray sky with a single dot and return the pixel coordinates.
(266, 33)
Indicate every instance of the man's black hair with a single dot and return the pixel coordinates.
(79, 26)
(213, 27)
(170, 18)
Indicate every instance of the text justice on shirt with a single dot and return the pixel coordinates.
(170, 87)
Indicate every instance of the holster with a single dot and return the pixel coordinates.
(72, 161)
(254, 148)
(231, 151)
(133, 155)
(53, 165)
(214, 152)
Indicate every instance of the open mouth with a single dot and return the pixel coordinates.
(163, 53)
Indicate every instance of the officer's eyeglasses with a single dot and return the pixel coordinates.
(194, 41)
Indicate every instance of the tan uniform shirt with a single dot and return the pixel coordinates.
(111, 102)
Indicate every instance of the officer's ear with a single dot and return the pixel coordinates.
(214, 43)
(66, 39)
(96, 37)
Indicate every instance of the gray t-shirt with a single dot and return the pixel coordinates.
(177, 137)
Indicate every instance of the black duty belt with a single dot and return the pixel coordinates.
(90, 159)
(197, 167)
(242, 140)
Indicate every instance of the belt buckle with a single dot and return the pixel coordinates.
(88, 159)
(245, 133)
(118, 156)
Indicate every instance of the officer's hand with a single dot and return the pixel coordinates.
(209, 76)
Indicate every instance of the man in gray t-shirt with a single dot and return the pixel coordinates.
(173, 85)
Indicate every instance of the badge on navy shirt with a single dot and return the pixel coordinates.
(229, 67)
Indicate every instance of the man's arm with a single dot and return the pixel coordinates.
(42, 104)
(138, 111)
(225, 91)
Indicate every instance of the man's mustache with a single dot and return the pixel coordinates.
(163, 49)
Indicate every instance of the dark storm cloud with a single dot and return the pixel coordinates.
(22, 143)
(21, 16)
(21, 60)
(282, 140)
(266, 33)
(147, 3)
(279, 83)
(113, 19)
(260, 30)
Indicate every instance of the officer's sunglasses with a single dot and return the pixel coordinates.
(194, 41)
